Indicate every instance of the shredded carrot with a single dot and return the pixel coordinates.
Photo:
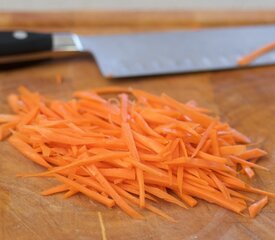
(103, 231)
(56, 189)
(88, 192)
(232, 149)
(132, 148)
(256, 207)
(245, 60)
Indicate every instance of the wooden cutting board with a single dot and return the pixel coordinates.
(244, 98)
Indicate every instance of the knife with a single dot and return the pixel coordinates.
(144, 54)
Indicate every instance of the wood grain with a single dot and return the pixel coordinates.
(137, 20)
(245, 98)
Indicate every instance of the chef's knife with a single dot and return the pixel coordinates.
(143, 54)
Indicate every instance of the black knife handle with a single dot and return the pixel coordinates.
(21, 42)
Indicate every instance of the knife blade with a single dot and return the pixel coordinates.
(144, 54)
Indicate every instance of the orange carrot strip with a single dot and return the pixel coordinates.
(6, 129)
(88, 192)
(198, 117)
(119, 172)
(243, 162)
(256, 207)
(131, 189)
(8, 118)
(215, 143)
(27, 151)
(124, 107)
(253, 153)
(239, 195)
(46, 151)
(188, 199)
(133, 150)
(249, 171)
(258, 191)
(94, 159)
(213, 197)
(247, 59)
(55, 189)
(149, 142)
(146, 168)
(203, 138)
(220, 185)
(165, 196)
(180, 178)
(206, 146)
(210, 157)
(88, 181)
(148, 206)
(70, 193)
(118, 200)
(200, 163)
(13, 102)
(89, 96)
(145, 127)
(27, 118)
(112, 89)
(239, 137)
(232, 150)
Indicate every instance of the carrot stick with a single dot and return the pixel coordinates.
(232, 150)
(221, 186)
(111, 191)
(188, 199)
(252, 153)
(198, 117)
(203, 138)
(27, 151)
(145, 168)
(256, 207)
(163, 195)
(213, 197)
(249, 171)
(119, 173)
(8, 118)
(55, 189)
(144, 126)
(90, 182)
(13, 102)
(180, 178)
(98, 158)
(124, 107)
(6, 129)
(90, 193)
(70, 193)
(149, 207)
(247, 59)
(133, 150)
(132, 189)
(241, 161)
(215, 143)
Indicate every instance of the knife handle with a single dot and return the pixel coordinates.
(21, 42)
(21, 46)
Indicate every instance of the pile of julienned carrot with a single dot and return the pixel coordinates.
(125, 147)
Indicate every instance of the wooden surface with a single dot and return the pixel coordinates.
(244, 98)
(132, 20)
